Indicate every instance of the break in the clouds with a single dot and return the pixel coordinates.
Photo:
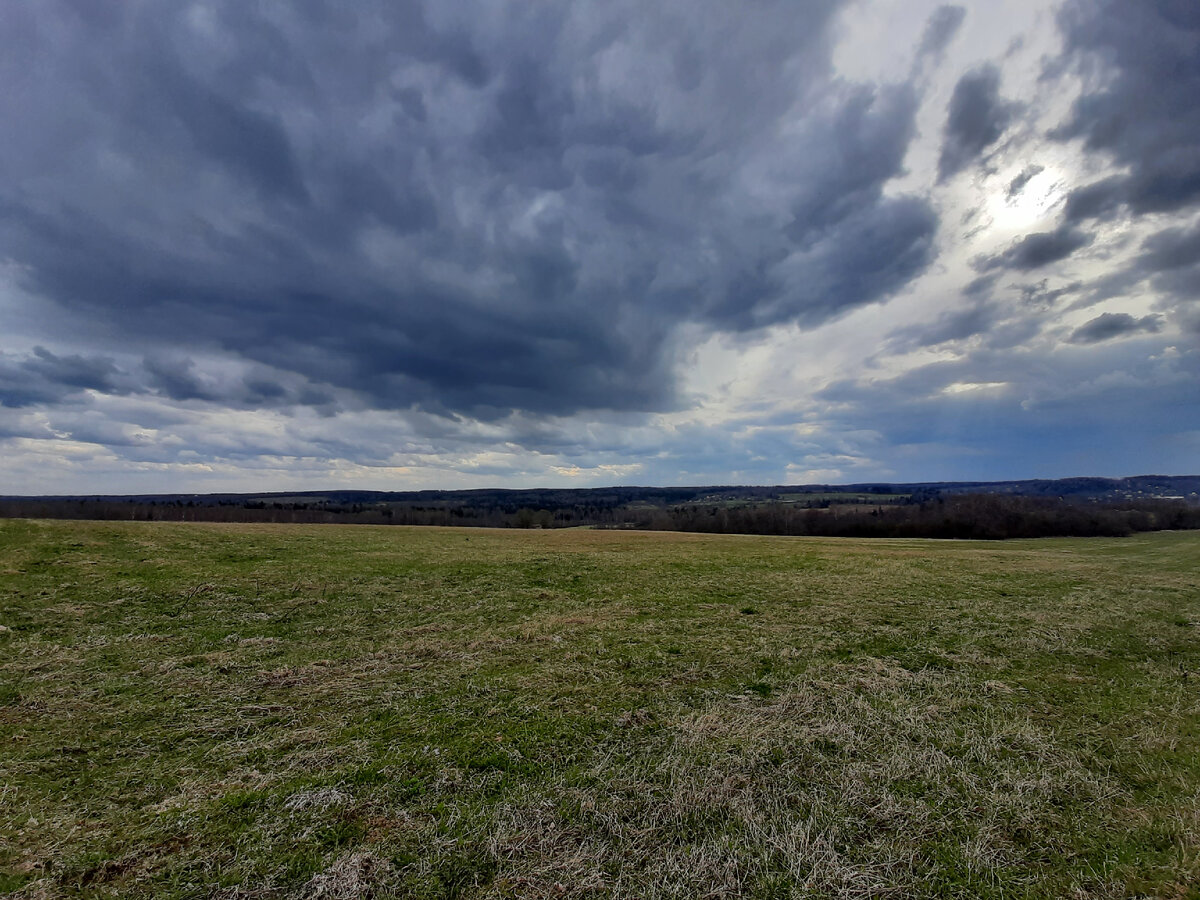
(452, 243)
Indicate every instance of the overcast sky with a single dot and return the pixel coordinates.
(402, 244)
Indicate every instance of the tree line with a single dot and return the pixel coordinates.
(964, 516)
(975, 516)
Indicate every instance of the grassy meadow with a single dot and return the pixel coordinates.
(259, 711)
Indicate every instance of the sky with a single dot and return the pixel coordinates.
(399, 244)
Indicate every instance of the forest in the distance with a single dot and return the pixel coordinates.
(984, 510)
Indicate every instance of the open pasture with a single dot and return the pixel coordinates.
(248, 711)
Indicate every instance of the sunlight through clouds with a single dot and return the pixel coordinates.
(515, 244)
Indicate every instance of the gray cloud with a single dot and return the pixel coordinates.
(1040, 249)
(483, 239)
(981, 286)
(940, 30)
(95, 373)
(1028, 411)
(1170, 258)
(1023, 178)
(953, 325)
(1098, 200)
(1169, 262)
(1041, 295)
(998, 317)
(176, 379)
(1144, 114)
(43, 377)
(1113, 325)
(474, 210)
(1171, 248)
(977, 118)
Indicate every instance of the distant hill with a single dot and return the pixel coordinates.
(976, 509)
(1183, 487)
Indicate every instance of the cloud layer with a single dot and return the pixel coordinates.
(501, 240)
(493, 209)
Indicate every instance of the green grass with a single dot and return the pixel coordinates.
(344, 711)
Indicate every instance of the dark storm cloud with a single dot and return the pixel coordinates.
(465, 208)
(977, 118)
(1171, 260)
(176, 378)
(1144, 114)
(1171, 248)
(849, 245)
(96, 373)
(1097, 200)
(1039, 249)
(43, 377)
(1113, 325)
(872, 255)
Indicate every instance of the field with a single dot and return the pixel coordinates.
(260, 711)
